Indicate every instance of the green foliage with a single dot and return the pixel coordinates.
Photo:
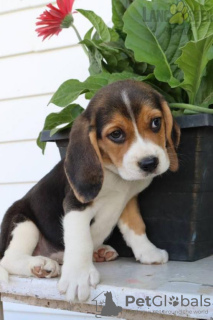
(90, 86)
(194, 65)
(168, 44)
(59, 121)
(119, 7)
(155, 42)
(98, 24)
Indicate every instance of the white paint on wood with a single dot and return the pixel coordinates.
(24, 162)
(173, 279)
(41, 73)
(24, 118)
(39, 313)
(11, 193)
(8, 6)
(19, 5)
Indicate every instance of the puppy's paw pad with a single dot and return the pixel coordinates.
(154, 256)
(42, 267)
(104, 253)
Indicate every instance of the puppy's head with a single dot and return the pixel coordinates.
(127, 127)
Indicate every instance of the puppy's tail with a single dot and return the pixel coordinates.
(4, 275)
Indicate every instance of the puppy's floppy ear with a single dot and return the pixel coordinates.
(83, 162)
(172, 136)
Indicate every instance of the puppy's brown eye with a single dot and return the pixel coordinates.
(156, 124)
(117, 136)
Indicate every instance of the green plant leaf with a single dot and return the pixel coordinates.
(67, 115)
(114, 36)
(193, 61)
(88, 35)
(95, 57)
(201, 18)
(127, 75)
(118, 9)
(96, 82)
(67, 93)
(205, 93)
(98, 24)
(56, 119)
(201, 1)
(41, 144)
(155, 40)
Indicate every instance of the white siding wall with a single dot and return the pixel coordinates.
(30, 72)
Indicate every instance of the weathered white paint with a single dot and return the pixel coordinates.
(100, 8)
(37, 74)
(11, 192)
(139, 281)
(8, 6)
(30, 111)
(25, 311)
(24, 162)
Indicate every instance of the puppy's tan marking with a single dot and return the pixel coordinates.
(144, 120)
(131, 216)
(112, 152)
(169, 122)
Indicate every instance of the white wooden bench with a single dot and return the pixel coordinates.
(125, 277)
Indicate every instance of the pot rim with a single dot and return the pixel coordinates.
(185, 121)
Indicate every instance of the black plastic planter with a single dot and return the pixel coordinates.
(178, 207)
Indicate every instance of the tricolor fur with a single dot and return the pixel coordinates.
(124, 138)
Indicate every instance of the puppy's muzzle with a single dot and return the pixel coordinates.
(148, 164)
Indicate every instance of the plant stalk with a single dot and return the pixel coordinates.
(79, 38)
(191, 107)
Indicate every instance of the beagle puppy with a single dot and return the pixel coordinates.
(124, 138)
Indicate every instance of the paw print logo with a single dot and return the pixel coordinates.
(174, 301)
(179, 13)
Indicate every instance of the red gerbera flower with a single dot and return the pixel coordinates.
(55, 19)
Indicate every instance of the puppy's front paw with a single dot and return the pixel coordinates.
(75, 282)
(104, 253)
(42, 267)
(153, 256)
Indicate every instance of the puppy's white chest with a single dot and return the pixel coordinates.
(110, 203)
(114, 187)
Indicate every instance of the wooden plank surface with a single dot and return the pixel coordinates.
(125, 277)
(88, 310)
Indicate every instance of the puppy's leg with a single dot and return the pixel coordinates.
(78, 271)
(18, 258)
(103, 224)
(133, 229)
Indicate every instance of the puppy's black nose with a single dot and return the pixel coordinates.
(149, 164)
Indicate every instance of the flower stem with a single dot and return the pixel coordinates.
(79, 38)
(191, 107)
